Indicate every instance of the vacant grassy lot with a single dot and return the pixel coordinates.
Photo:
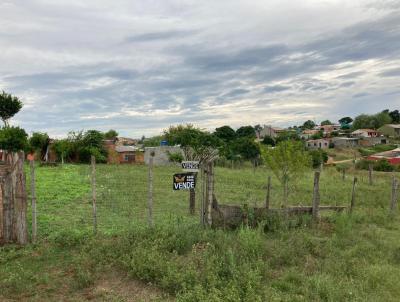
(344, 258)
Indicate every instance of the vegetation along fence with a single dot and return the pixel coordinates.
(112, 198)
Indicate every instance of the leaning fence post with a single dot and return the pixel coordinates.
(210, 191)
(33, 197)
(353, 195)
(268, 197)
(393, 203)
(370, 169)
(316, 197)
(150, 192)
(93, 163)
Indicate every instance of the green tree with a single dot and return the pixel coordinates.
(326, 122)
(308, 125)
(267, 140)
(13, 139)
(345, 120)
(62, 148)
(246, 131)
(9, 106)
(39, 142)
(111, 134)
(318, 157)
(153, 141)
(373, 121)
(287, 136)
(288, 160)
(246, 147)
(225, 133)
(395, 115)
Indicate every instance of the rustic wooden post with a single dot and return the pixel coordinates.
(33, 197)
(210, 191)
(20, 200)
(370, 169)
(150, 192)
(316, 196)
(268, 197)
(192, 201)
(93, 163)
(393, 203)
(353, 195)
(343, 174)
(202, 175)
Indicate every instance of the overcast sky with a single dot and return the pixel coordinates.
(140, 66)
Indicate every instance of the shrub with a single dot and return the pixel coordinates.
(175, 157)
(13, 139)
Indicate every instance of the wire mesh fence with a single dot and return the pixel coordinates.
(64, 196)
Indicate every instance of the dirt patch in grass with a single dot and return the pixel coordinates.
(116, 286)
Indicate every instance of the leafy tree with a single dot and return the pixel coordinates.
(154, 141)
(246, 147)
(288, 160)
(395, 115)
(308, 125)
(373, 121)
(39, 142)
(246, 131)
(287, 136)
(318, 157)
(62, 148)
(267, 140)
(318, 135)
(326, 122)
(225, 133)
(111, 134)
(9, 106)
(345, 120)
(13, 139)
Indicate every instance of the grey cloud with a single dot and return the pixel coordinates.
(159, 35)
(276, 88)
(395, 72)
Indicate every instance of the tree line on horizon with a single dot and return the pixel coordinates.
(239, 144)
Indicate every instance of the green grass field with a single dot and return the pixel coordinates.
(344, 258)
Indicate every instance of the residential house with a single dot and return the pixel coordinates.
(390, 130)
(269, 131)
(318, 144)
(393, 156)
(327, 130)
(309, 133)
(345, 142)
(365, 133)
(120, 154)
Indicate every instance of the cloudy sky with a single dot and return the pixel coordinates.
(140, 66)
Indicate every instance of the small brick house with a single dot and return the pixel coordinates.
(120, 154)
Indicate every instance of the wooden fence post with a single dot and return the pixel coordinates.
(316, 197)
(192, 200)
(33, 196)
(150, 192)
(393, 203)
(370, 169)
(210, 191)
(353, 195)
(20, 199)
(268, 197)
(343, 174)
(93, 164)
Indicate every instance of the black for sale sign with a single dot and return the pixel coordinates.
(184, 181)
